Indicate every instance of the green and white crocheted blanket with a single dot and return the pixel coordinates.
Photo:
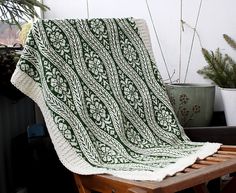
(103, 99)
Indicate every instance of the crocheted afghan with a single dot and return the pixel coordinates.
(103, 99)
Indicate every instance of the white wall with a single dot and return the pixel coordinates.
(216, 18)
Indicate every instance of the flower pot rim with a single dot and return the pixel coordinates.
(228, 89)
(196, 85)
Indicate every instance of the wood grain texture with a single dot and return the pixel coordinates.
(194, 176)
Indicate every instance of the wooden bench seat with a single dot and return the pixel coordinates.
(196, 176)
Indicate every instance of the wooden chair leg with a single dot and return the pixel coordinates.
(230, 187)
(80, 186)
(201, 188)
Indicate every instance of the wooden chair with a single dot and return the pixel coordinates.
(196, 176)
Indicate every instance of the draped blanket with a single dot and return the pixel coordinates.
(103, 99)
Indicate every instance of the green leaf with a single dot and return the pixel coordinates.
(230, 41)
(221, 68)
(13, 12)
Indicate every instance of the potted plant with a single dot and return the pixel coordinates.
(221, 69)
(193, 102)
(14, 13)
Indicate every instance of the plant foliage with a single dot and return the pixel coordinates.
(230, 41)
(221, 68)
(15, 11)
